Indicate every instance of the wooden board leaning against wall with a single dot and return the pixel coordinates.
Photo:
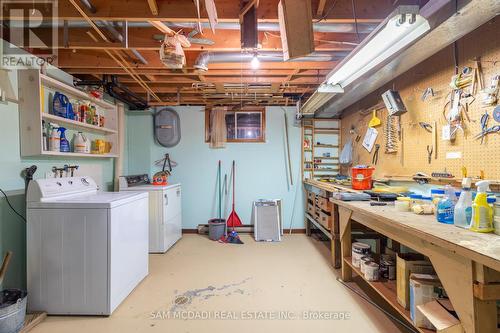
(436, 73)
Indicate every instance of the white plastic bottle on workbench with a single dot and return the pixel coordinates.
(463, 209)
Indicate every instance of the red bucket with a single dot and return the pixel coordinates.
(362, 178)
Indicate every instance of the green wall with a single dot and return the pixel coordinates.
(12, 228)
(261, 168)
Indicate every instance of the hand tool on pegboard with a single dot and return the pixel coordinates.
(429, 153)
(426, 126)
(375, 154)
(484, 127)
(434, 139)
(390, 136)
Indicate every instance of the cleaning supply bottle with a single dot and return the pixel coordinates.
(45, 137)
(482, 213)
(54, 139)
(64, 143)
(446, 206)
(80, 143)
(61, 106)
(463, 209)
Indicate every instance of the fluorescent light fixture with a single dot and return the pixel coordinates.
(255, 63)
(330, 88)
(399, 30)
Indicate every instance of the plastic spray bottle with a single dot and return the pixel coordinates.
(463, 209)
(482, 213)
(446, 206)
(54, 138)
(64, 143)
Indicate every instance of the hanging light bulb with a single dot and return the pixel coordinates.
(255, 63)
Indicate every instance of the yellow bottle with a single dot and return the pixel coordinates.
(482, 213)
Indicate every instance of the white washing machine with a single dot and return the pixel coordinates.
(87, 250)
(165, 211)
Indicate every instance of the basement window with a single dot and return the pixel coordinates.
(247, 125)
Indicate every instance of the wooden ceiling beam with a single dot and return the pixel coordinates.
(321, 7)
(153, 6)
(227, 10)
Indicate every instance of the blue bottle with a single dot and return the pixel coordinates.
(61, 106)
(446, 206)
(64, 143)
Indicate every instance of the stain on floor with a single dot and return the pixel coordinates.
(183, 300)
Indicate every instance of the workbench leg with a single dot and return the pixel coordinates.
(345, 241)
(457, 276)
(308, 227)
(486, 303)
(335, 242)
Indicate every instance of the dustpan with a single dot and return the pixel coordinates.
(375, 121)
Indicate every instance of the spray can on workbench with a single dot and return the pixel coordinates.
(482, 212)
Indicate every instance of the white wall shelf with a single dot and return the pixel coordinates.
(49, 82)
(34, 105)
(57, 153)
(77, 125)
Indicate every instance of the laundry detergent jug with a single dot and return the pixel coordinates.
(61, 106)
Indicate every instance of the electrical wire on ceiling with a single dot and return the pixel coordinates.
(325, 15)
(355, 19)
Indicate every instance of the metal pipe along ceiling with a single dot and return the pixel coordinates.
(363, 27)
(205, 58)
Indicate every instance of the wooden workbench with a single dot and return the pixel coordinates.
(467, 263)
(332, 233)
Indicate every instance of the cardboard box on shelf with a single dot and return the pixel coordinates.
(406, 264)
(424, 288)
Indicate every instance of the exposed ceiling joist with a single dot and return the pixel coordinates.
(153, 6)
(228, 11)
(162, 27)
(321, 7)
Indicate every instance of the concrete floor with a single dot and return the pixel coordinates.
(231, 284)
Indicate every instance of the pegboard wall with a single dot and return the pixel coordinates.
(436, 73)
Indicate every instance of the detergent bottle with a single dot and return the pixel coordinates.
(54, 138)
(64, 143)
(446, 206)
(80, 143)
(463, 209)
(482, 212)
(61, 106)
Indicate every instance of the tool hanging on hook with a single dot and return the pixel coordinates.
(375, 154)
(430, 149)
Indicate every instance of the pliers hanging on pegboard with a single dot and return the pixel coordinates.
(375, 154)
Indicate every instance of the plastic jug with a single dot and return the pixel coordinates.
(463, 209)
(482, 212)
(64, 143)
(61, 106)
(446, 206)
(80, 143)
